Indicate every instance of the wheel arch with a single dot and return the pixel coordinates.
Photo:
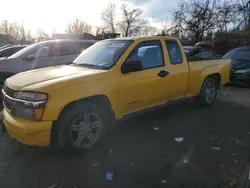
(215, 76)
(99, 100)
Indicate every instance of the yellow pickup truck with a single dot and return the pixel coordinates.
(75, 105)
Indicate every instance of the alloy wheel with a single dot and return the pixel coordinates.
(85, 130)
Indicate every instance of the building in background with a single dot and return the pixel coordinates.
(103, 36)
(85, 36)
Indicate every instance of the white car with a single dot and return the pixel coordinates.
(42, 54)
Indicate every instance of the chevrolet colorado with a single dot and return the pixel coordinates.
(77, 104)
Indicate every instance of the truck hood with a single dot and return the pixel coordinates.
(47, 76)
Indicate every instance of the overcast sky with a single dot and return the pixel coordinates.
(52, 15)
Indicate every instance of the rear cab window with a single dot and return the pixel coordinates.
(174, 52)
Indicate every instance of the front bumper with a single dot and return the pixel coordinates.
(27, 132)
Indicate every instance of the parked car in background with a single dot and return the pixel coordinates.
(76, 105)
(197, 51)
(5, 46)
(240, 64)
(10, 50)
(42, 54)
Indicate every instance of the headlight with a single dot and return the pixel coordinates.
(242, 71)
(31, 96)
(26, 105)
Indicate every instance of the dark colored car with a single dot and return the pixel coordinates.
(8, 51)
(240, 64)
(198, 51)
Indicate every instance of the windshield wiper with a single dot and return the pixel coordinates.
(72, 63)
(91, 66)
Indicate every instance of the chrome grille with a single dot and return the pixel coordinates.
(8, 103)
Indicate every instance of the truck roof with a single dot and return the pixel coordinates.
(146, 38)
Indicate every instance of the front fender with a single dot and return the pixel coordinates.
(60, 98)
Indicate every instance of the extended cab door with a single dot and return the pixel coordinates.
(147, 87)
(178, 69)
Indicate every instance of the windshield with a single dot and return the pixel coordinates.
(103, 54)
(23, 51)
(240, 54)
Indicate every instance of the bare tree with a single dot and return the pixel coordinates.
(243, 12)
(132, 21)
(42, 34)
(22, 32)
(25, 34)
(164, 27)
(227, 11)
(100, 30)
(196, 17)
(78, 27)
(167, 28)
(108, 17)
(11, 29)
(28, 35)
(148, 30)
(17, 31)
(5, 27)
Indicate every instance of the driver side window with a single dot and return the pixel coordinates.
(149, 54)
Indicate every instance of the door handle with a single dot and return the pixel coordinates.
(163, 73)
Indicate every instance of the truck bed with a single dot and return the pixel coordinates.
(202, 67)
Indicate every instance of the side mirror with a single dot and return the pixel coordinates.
(131, 66)
(30, 57)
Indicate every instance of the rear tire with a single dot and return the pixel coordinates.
(82, 127)
(208, 92)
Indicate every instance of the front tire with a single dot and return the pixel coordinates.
(208, 92)
(82, 127)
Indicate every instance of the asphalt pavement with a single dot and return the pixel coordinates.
(180, 145)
